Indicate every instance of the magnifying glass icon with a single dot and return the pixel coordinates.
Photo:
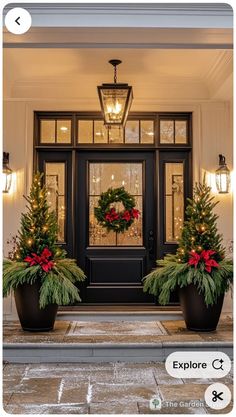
(218, 364)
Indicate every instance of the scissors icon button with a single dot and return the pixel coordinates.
(217, 396)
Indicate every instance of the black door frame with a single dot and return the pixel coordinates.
(88, 254)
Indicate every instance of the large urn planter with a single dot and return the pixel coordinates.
(197, 315)
(31, 316)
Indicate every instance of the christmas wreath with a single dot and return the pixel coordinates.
(109, 217)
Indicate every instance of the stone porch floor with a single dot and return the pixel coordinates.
(111, 388)
(111, 340)
(122, 332)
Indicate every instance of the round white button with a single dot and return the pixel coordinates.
(217, 396)
(18, 21)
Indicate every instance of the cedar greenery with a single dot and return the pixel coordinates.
(199, 234)
(38, 232)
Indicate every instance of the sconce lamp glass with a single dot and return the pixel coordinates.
(222, 176)
(6, 174)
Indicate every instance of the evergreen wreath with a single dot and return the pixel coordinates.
(109, 217)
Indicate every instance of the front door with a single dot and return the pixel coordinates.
(115, 263)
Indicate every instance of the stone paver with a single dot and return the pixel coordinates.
(47, 409)
(128, 392)
(106, 388)
(114, 407)
(182, 392)
(36, 391)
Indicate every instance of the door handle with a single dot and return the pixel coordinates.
(151, 243)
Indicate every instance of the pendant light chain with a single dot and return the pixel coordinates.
(115, 74)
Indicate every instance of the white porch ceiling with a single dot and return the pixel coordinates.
(155, 74)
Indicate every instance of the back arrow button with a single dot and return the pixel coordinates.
(17, 20)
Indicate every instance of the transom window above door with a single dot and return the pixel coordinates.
(87, 129)
(135, 131)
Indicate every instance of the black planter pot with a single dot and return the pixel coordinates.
(197, 315)
(32, 318)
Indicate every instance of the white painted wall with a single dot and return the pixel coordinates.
(212, 134)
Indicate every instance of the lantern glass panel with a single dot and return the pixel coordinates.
(223, 180)
(6, 181)
(114, 102)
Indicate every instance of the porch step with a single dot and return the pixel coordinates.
(122, 315)
(108, 341)
(103, 352)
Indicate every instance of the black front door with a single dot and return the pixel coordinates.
(115, 263)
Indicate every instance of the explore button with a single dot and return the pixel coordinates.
(198, 364)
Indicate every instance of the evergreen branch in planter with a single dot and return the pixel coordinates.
(57, 285)
(171, 275)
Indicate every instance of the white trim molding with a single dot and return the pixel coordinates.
(189, 25)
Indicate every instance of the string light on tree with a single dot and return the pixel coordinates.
(198, 235)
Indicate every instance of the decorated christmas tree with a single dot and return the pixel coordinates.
(200, 257)
(200, 231)
(37, 256)
(38, 225)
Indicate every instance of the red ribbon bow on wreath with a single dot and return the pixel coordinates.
(41, 260)
(204, 256)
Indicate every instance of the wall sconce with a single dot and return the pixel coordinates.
(222, 176)
(6, 174)
(115, 99)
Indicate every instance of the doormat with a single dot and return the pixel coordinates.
(120, 328)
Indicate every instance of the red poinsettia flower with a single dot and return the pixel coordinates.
(42, 260)
(46, 253)
(47, 266)
(205, 256)
(194, 260)
(135, 213)
(210, 263)
(126, 215)
(112, 215)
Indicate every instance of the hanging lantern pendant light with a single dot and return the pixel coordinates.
(115, 99)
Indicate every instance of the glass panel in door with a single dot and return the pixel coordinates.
(103, 175)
